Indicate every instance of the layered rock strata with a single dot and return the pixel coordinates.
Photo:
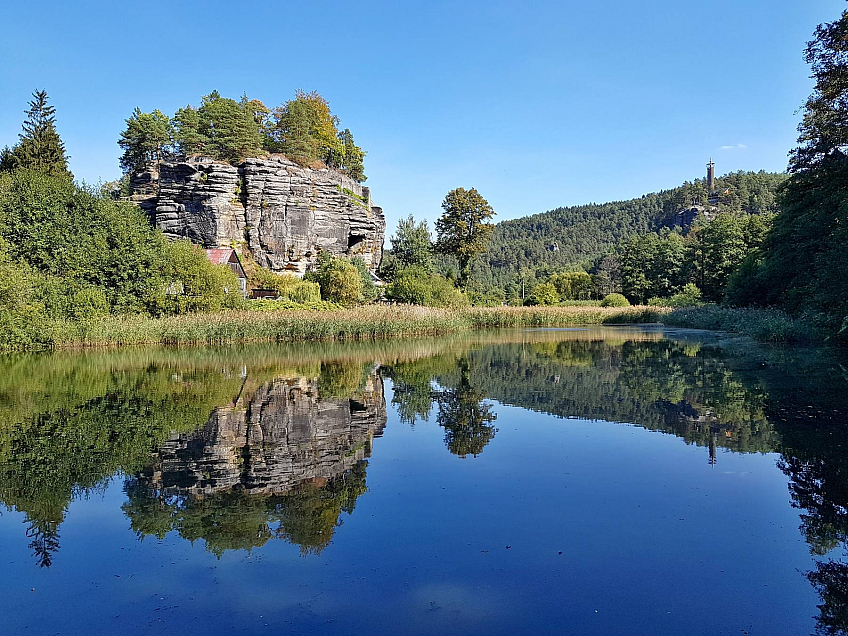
(285, 434)
(282, 213)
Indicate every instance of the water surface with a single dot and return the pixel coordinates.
(608, 480)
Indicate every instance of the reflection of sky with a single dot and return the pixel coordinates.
(653, 540)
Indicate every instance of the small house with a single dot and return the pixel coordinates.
(228, 256)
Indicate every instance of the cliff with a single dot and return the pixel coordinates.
(282, 213)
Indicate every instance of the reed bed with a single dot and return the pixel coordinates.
(363, 323)
(763, 325)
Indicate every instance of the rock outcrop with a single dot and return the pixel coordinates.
(283, 435)
(282, 213)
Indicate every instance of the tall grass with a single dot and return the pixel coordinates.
(763, 325)
(378, 322)
(363, 323)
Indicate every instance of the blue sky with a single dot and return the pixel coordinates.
(535, 104)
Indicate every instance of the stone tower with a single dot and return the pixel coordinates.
(710, 176)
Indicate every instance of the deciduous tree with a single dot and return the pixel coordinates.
(463, 229)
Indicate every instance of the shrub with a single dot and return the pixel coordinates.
(615, 300)
(339, 279)
(415, 286)
(193, 283)
(370, 293)
(690, 296)
(543, 294)
(491, 298)
(289, 288)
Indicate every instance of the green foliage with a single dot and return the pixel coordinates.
(573, 285)
(412, 245)
(417, 286)
(289, 288)
(491, 298)
(146, 139)
(79, 235)
(40, 148)
(193, 283)
(543, 294)
(352, 157)
(583, 234)
(799, 266)
(369, 292)
(340, 280)
(463, 230)
(224, 129)
(615, 300)
(690, 296)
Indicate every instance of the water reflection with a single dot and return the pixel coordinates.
(283, 461)
(236, 447)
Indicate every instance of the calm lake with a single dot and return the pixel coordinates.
(589, 481)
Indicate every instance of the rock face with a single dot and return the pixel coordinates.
(282, 213)
(283, 435)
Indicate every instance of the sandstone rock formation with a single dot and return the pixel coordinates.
(285, 434)
(280, 212)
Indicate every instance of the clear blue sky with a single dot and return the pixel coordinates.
(535, 104)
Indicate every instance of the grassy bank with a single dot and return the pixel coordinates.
(763, 325)
(382, 322)
(363, 323)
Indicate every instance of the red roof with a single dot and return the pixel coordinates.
(220, 255)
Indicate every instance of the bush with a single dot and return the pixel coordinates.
(193, 283)
(543, 294)
(690, 296)
(615, 300)
(415, 286)
(339, 279)
(289, 288)
(491, 298)
(370, 293)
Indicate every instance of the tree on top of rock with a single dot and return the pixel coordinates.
(147, 139)
(306, 131)
(221, 128)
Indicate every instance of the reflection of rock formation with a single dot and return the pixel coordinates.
(283, 435)
(283, 463)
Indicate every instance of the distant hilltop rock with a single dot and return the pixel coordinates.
(282, 213)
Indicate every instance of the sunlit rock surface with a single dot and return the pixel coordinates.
(280, 212)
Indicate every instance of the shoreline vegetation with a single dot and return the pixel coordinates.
(379, 322)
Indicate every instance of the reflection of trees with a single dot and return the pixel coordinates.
(466, 418)
(239, 520)
(60, 454)
(462, 411)
(830, 579)
(70, 423)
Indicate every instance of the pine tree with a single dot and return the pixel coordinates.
(40, 147)
(146, 139)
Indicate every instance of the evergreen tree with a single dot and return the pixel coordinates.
(230, 128)
(221, 128)
(186, 125)
(7, 159)
(146, 139)
(40, 147)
